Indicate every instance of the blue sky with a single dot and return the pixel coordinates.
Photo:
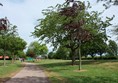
(24, 13)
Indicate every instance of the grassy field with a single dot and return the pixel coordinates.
(9, 70)
(60, 71)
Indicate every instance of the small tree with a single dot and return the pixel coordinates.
(112, 48)
(61, 53)
(36, 49)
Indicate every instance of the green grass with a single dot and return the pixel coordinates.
(9, 70)
(60, 71)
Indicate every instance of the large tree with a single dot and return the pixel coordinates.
(70, 26)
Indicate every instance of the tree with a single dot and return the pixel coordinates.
(51, 55)
(4, 28)
(112, 48)
(14, 46)
(8, 33)
(21, 54)
(61, 53)
(36, 49)
(95, 46)
(70, 26)
(1, 51)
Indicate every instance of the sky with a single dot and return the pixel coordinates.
(24, 14)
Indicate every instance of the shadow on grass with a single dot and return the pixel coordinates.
(68, 63)
(74, 79)
(26, 79)
(3, 80)
(85, 79)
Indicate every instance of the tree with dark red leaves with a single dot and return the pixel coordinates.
(70, 25)
(3, 24)
(3, 28)
(77, 33)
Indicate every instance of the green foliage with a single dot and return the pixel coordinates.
(54, 28)
(51, 55)
(31, 53)
(97, 46)
(10, 42)
(21, 54)
(51, 28)
(113, 48)
(36, 49)
(62, 53)
(1, 51)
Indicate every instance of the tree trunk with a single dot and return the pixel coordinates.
(100, 55)
(92, 56)
(80, 58)
(73, 60)
(73, 56)
(4, 60)
(4, 51)
(13, 57)
(86, 57)
(12, 60)
(80, 63)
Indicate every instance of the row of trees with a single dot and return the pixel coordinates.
(90, 50)
(10, 43)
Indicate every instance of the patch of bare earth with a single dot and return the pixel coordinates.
(82, 70)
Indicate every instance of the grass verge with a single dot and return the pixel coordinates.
(60, 71)
(6, 72)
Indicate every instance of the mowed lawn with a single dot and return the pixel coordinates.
(9, 70)
(60, 71)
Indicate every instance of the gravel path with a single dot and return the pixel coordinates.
(29, 74)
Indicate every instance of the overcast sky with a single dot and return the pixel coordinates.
(24, 13)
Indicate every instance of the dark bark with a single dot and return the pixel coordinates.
(13, 57)
(73, 56)
(100, 55)
(92, 55)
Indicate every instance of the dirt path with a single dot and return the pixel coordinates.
(29, 74)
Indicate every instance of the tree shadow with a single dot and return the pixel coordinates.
(68, 63)
(3, 80)
(90, 79)
(63, 66)
(27, 79)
